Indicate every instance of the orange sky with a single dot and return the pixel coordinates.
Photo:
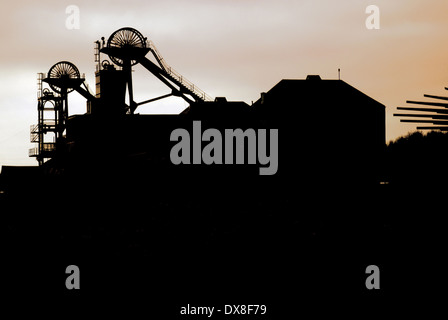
(232, 48)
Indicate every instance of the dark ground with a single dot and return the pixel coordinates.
(296, 249)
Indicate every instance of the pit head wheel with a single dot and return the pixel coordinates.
(63, 70)
(125, 38)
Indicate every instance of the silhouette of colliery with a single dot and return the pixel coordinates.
(107, 197)
(329, 132)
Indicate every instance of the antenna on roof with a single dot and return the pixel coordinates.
(339, 73)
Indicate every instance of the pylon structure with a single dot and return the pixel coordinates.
(125, 48)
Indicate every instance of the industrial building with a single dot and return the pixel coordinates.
(107, 197)
(328, 130)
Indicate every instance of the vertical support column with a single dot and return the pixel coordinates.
(40, 127)
(127, 68)
(64, 116)
(97, 55)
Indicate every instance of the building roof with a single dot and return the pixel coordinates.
(316, 91)
(323, 110)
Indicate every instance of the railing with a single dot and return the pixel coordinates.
(49, 122)
(177, 77)
(34, 128)
(33, 152)
(34, 137)
(34, 133)
(46, 147)
(173, 74)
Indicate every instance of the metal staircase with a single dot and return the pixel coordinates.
(52, 106)
(127, 46)
(177, 78)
